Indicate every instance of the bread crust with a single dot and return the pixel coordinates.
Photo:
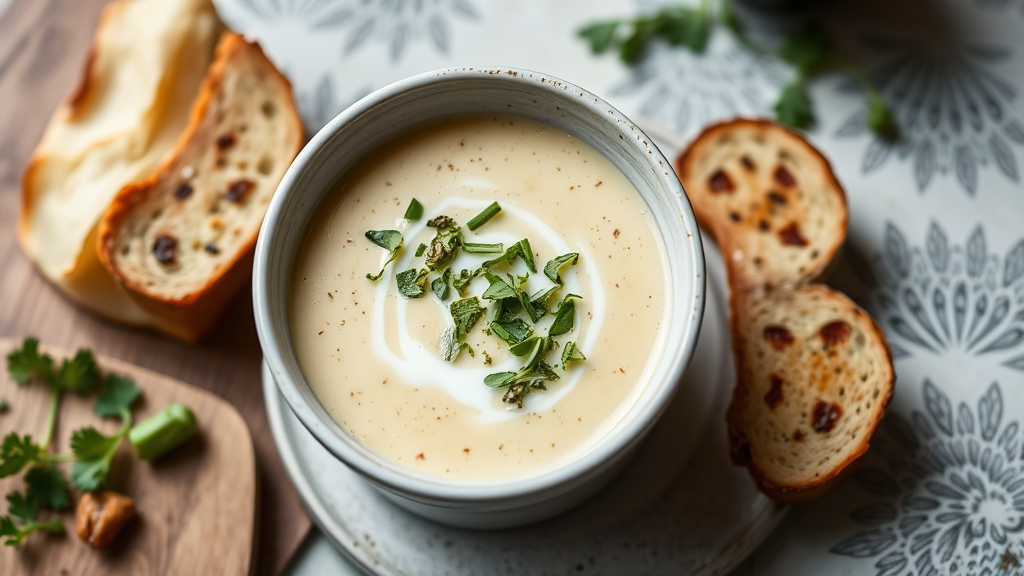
(750, 286)
(190, 316)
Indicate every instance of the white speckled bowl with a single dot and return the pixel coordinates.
(458, 92)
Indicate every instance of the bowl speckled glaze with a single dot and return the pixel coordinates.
(428, 97)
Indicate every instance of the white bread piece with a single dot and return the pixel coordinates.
(181, 241)
(814, 375)
(770, 200)
(143, 71)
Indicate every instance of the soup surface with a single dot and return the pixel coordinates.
(372, 355)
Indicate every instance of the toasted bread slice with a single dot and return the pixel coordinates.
(181, 241)
(144, 70)
(814, 375)
(770, 200)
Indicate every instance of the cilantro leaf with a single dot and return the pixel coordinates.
(411, 283)
(18, 507)
(444, 247)
(879, 119)
(685, 26)
(79, 373)
(599, 35)
(16, 452)
(94, 454)
(806, 48)
(26, 362)
(119, 393)
(415, 211)
(570, 354)
(22, 508)
(555, 264)
(794, 106)
(47, 487)
(565, 317)
(390, 240)
(439, 286)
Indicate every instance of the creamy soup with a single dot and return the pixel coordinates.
(372, 355)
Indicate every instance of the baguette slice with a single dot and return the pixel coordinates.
(181, 241)
(145, 68)
(814, 375)
(769, 199)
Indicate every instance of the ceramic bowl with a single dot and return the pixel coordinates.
(460, 92)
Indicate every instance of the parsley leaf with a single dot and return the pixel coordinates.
(415, 211)
(599, 35)
(411, 283)
(22, 508)
(439, 286)
(555, 264)
(794, 106)
(445, 246)
(119, 393)
(47, 487)
(565, 317)
(25, 511)
(390, 240)
(94, 454)
(570, 354)
(806, 48)
(16, 452)
(26, 362)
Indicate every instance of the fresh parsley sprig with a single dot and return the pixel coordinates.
(808, 50)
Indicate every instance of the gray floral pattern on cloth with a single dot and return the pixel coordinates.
(319, 105)
(955, 113)
(945, 298)
(686, 91)
(947, 488)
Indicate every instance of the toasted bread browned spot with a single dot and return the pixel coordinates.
(798, 435)
(734, 216)
(778, 336)
(835, 333)
(774, 395)
(239, 189)
(825, 416)
(791, 236)
(763, 226)
(165, 249)
(720, 182)
(748, 163)
(784, 177)
(776, 198)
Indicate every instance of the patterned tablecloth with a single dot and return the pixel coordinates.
(936, 239)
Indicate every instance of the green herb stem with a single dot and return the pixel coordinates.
(483, 217)
(51, 421)
(472, 248)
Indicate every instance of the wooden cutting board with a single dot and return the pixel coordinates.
(196, 505)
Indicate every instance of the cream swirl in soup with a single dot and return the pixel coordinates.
(372, 355)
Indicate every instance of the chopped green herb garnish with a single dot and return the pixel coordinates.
(412, 283)
(415, 211)
(421, 249)
(565, 317)
(482, 218)
(487, 358)
(570, 354)
(466, 313)
(390, 240)
(499, 288)
(520, 249)
(555, 264)
(521, 383)
(472, 248)
(511, 331)
(445, 246)
(539, 300)
(440, 285)
(464, 279)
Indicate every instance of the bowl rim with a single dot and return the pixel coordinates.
(410, 484)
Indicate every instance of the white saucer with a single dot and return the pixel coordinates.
(679, 508)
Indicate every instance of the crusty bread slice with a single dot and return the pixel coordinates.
(770, 200)
(814, 377)
(813, 371)
(181, 241)
(145, 67)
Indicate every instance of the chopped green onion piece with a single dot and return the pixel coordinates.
(414, 211)
(421, 249)
(471, 248)
(482, 218)
(163, 431)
